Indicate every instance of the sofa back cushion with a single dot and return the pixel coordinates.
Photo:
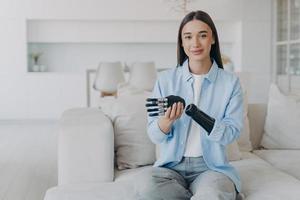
(244, 141)
(133, 148)
(257, 116)
(282, 127)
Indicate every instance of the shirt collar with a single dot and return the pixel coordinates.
(211, 75)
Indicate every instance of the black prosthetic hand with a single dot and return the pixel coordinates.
(158, 106)
(200, 117)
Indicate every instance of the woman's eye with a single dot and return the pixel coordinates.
(187, 37)
(203, 36)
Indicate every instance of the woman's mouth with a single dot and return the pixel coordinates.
(197, 52)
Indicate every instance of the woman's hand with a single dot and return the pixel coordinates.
(172, 113)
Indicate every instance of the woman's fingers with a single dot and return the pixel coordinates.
(178, 110)
(174, 112)
(168, 112)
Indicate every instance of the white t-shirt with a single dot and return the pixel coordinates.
(193, 146)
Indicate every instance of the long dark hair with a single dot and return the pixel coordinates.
(215, 49)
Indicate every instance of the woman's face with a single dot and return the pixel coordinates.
(197, 39)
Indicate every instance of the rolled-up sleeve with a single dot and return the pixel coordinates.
(226, 130)
(156, 135)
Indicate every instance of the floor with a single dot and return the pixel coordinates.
(27, 158)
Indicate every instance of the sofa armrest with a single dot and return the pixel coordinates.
(85, 147)
(257, 116)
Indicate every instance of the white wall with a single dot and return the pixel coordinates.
(257, 47)
(29, 95)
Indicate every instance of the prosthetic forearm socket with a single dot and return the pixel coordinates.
(200, 117)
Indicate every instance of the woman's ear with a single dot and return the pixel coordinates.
(213, 40)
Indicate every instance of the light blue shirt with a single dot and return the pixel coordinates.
(220, 97)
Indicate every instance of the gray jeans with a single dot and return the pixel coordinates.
(190, 179)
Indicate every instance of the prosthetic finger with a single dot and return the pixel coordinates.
(200, 117)
(158, 106)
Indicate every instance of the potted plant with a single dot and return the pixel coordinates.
(35, 57)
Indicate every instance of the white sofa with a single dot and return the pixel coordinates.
(86, 162)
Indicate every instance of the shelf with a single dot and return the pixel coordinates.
(115, 31)
(71, 45)
(102, 31)
(77, 57)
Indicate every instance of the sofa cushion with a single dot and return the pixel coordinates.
(285, 160)
(260, 180)
(92, 191)
(282, 122)
(132, 145)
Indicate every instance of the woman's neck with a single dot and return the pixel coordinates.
(200, 67)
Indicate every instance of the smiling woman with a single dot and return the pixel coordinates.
(195, 36)
(192, 156)
(197, 39)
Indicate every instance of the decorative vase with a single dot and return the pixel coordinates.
(43, 68)
(35, 68)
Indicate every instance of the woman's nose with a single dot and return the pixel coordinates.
(195, 42)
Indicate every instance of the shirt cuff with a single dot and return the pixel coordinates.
(217, 132)
(159, 134)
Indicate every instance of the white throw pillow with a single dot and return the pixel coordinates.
(282, 127)
(132, 145)
(244, 141)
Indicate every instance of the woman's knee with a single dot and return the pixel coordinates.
(146, 187)
(161, 185)
(213, 185)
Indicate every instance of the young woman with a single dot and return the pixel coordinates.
(193, 162)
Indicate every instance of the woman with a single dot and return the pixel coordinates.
(193, 162)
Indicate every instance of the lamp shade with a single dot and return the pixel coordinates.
(108, 76)
(143, 75)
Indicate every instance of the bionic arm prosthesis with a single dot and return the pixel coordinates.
(158, 106)
(203, 119)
